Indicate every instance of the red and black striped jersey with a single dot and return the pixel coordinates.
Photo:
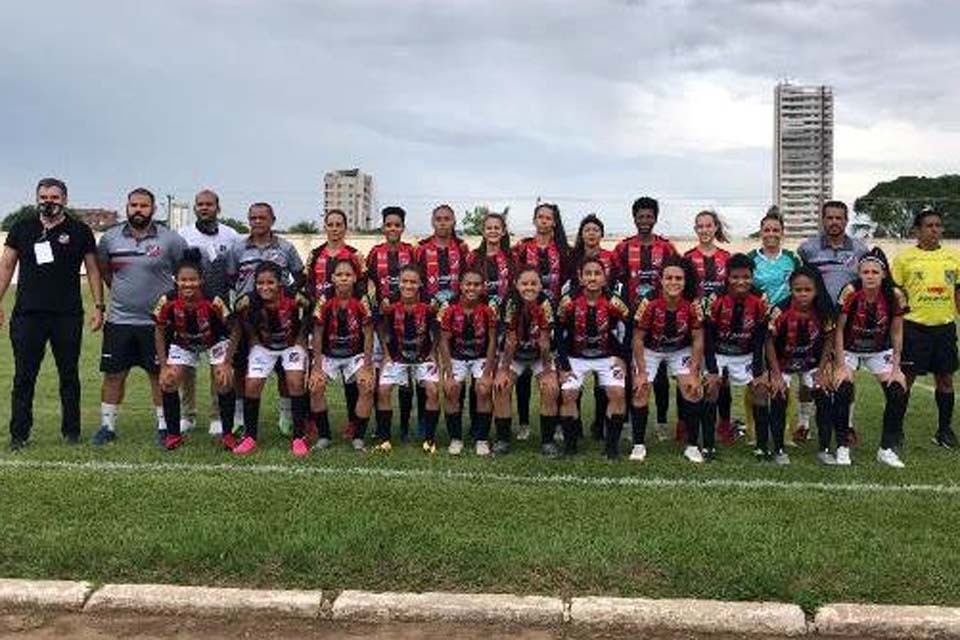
(320, 269)
(798, 338)
(711, 271)
(588, 329)
(497, 273)
(867, 326)
(342, 322)
(527, 323)
(195, 325)
(735, 324)
(549, 261)
(469, 329)
(383, 268)
(665, 329)
(274, 327)
(441, 267)
(409, 330)
(639, 266)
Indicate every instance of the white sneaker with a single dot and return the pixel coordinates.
(523, 432)
(663, 431)
(455, 448)
(186, 425)
(693, 454)
(639, 453)
(357, 444)
(843, 456)
(321, 444)
(890, 458)
(781, 458)
(826, 458)
(483, 448)
(216, 428)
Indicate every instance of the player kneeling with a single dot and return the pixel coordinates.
(343, 347)
(187, 325)
(468, 349)
(734, 334)
(274, 323)
(587, 323)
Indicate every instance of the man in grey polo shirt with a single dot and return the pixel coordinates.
(137, 259)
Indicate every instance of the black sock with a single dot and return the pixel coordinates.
(893, 412)
(351, 394)
(614, 431)
(842, 398)
(708, 424)
(405, 393)
(481, 426)
(251, 417)
(171, 412)
(825, 418)
(503, 428)
(724, 402)
(523, 389)
(661, 395)
(638, 422)
(300, 408)
(227, 403)
(778, 421)
(361, 428)
(455, 425)
(944, 410)
(600, 411)
(692, 418)
(384, 418)
(569, 425)
(430, 419)
(421, 404)
(322, 420)
(548, 427)
(761, 421)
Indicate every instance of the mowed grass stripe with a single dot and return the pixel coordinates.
(144, 468)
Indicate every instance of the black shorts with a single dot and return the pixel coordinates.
(929, 349)
(126, 346)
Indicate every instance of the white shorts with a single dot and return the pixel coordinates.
(610, 373)
(463, 369)
(806, 378)
(878, 363)
(347, 367)
(261, 361)
(739, 368)
(535, 366)
(399, 373)
(678, 362)
(181, 357)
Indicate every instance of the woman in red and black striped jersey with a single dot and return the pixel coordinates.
(668, 331)
(494, 260)
(342, 347)
(275, 324)
(188, 324)
(870, 335)
(468, 350)
(442, 257)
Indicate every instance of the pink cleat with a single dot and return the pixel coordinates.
(246, 446)
(299, 447)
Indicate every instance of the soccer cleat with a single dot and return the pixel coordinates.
(321, 444)
(781, 458)
(483, 448)
(523, 432)
(946, 439)
(186, 425)
(709, 455)
(889, 458)
(71, 439)
(693, 454)
(299, 447)
(739, 428)
(501, 447)
(826, 458)
(357, 444)
(843, 457)
(172, 441)
(550, 450)
(216, 428)
(16, 444)
(246, 446)
(661, 431)
(229, 441)
(103, 436)
(429, 447)
(383, 447)
(638, 453)
(455, 448)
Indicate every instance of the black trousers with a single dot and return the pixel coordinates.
(29, 334)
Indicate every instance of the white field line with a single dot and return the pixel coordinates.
(481, 476)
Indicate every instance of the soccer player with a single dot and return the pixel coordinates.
(734, 334)
(930, 274)
(870, 335)
(527, 317)
(274, 323)
(800, 341)
(587, 323)
(408, 331)
(343, 347)
(493, 259)
(188, 323)
(668, 330)
(468, 349)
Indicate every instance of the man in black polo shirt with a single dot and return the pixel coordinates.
(49, 249)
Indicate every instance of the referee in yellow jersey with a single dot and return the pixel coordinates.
(930, 274)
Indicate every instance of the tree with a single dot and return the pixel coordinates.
(26, 211)
(472, 222)
(237, 225)
(892, 205)
(307, 227)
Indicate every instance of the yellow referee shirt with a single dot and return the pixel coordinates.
(930, 279)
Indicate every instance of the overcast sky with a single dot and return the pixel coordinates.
(588, 104)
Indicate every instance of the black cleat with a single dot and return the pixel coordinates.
(946, 439)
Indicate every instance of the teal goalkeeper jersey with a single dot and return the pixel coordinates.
(771, 275)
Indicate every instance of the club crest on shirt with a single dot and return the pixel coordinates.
(153, 250)
(63, 238)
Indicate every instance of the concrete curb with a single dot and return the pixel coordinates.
(465, 608)
(204, 601)
(55, 594)
(700, 616)
(887, 621)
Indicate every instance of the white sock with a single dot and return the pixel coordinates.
(805, 411)
(161, 421)
(108, 415)
(852, 405)
(238, 411)
(285, 408)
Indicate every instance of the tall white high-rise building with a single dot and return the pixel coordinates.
(802, 154)
(351, 191)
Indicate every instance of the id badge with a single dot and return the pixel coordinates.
(43, 252)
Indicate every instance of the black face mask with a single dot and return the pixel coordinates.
(50, 210)
(138, 221)
(207, 227)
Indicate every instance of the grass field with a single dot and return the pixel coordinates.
(734, 529)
